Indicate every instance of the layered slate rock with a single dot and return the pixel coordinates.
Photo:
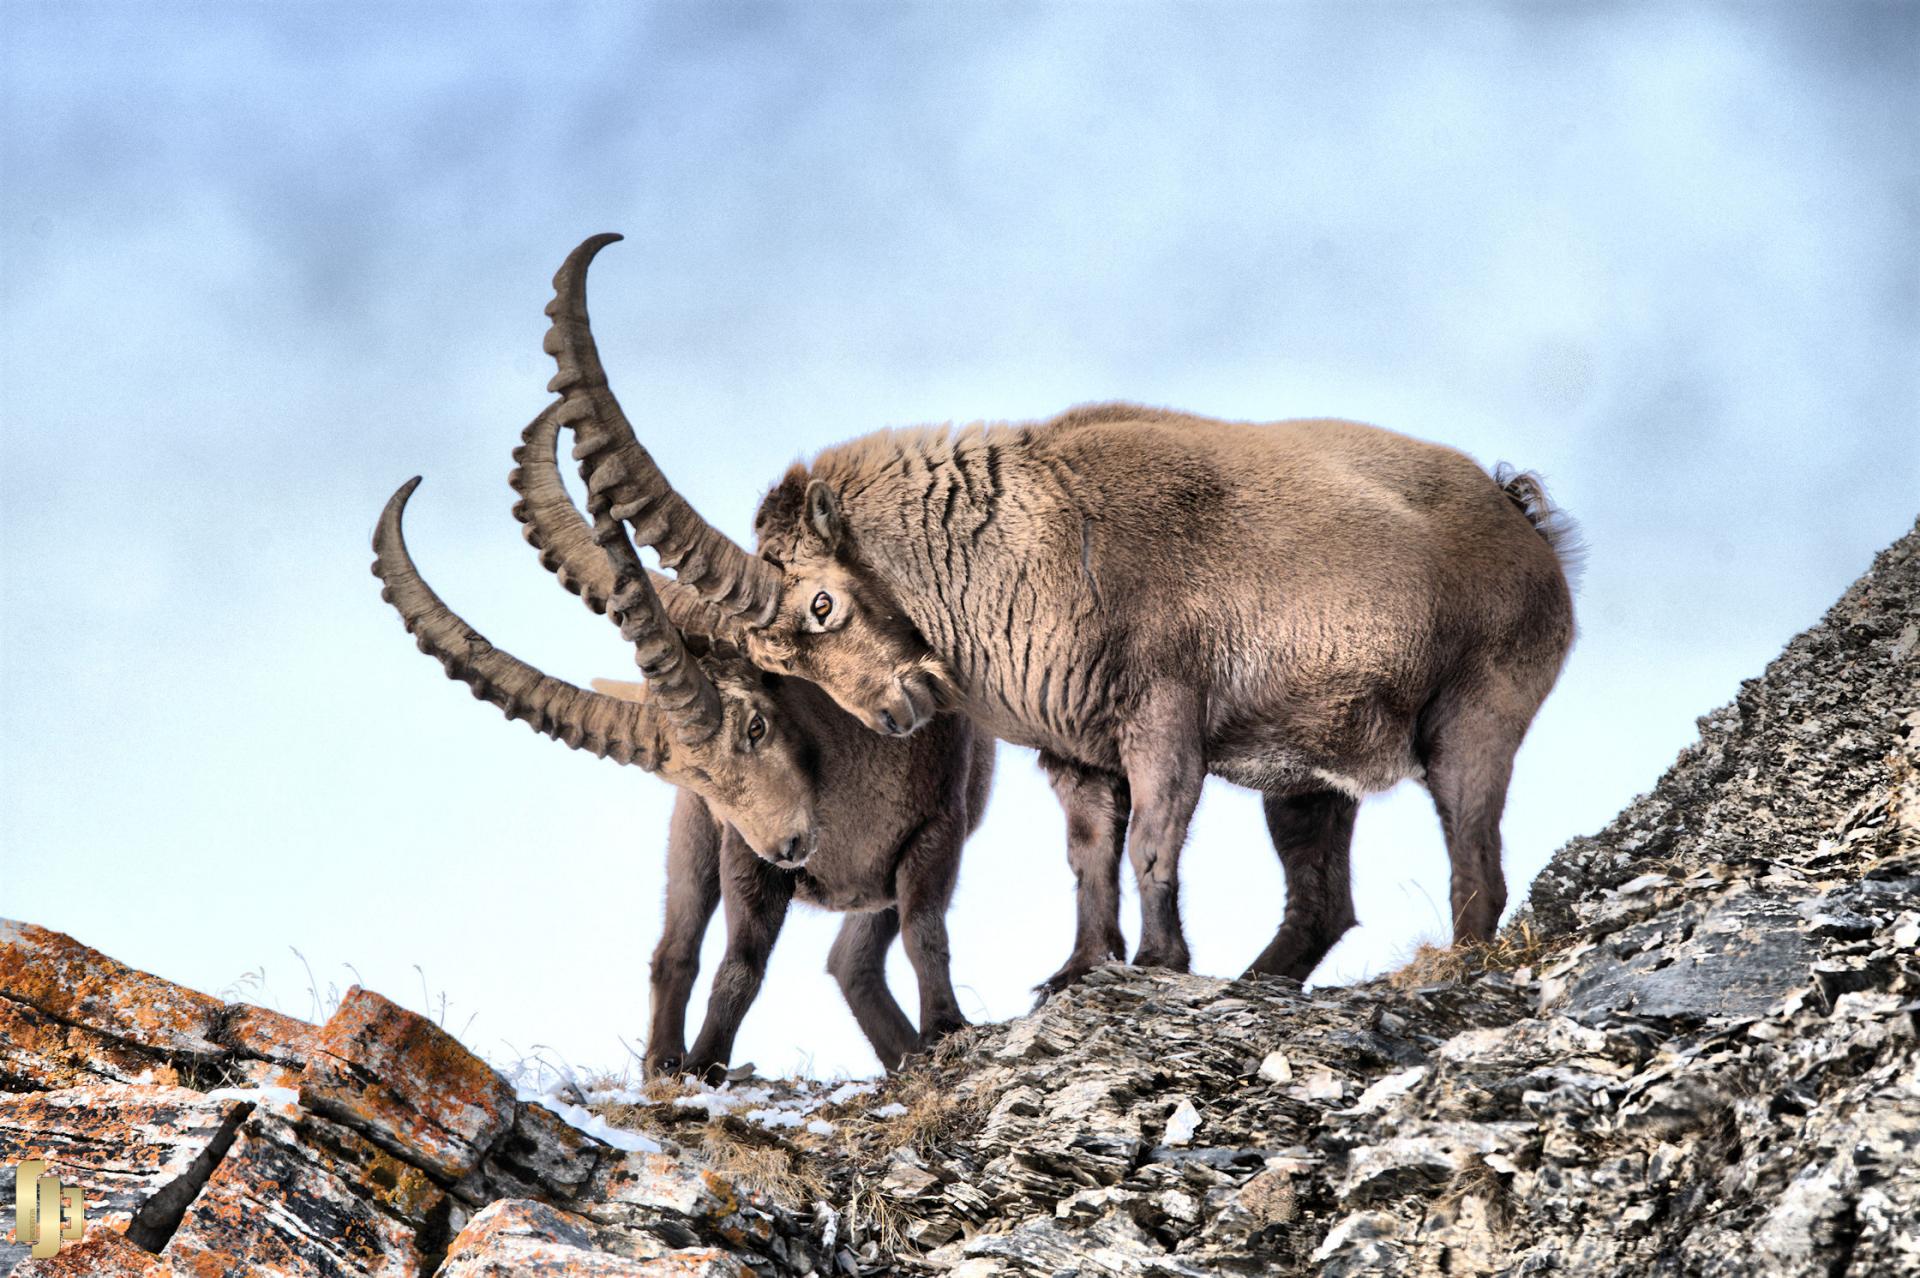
(514, 1236)
(137, 1152)
(280, 1205)
(407, 1083)
(1697, 1051)
(40, 1051)
(364, 1146)
(70, 1015)
(67, 981)
(101, 1254)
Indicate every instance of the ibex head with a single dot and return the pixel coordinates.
(703, 721)
(807, 585)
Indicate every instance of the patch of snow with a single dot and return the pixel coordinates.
(281, 1100)
(716, 1103)
(768, 1116)
(618, 1096)
(892, 1109)
(820, 1127)
(847, 1091)
(592, 1124)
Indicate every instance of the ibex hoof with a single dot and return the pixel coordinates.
(1175, 960)
(710, 1073)
(1073, 973)
(930, 1036)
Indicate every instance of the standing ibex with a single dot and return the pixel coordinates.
(890, 816)
(1314, 609)
(884, 819)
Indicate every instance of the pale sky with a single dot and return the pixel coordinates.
(262, 263)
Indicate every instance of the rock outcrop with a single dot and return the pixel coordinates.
(1693, 1051)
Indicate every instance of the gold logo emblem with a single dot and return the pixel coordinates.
(45, 1212)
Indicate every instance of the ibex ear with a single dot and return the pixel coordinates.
(621, 688)
(823, 514)
(779, 511)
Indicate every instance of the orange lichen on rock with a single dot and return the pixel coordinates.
(103, 1253)
(38, 1051)
(275, 1206)
(407, 1083)
(56, 974)
(270, 1035)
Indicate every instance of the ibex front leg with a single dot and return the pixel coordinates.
(693, 892)
(757, 896)
(1096, 805)
(858, 962)
(928, 868)
(1163, 748)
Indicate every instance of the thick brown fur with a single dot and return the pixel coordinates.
(892, 815)
(1314, 609)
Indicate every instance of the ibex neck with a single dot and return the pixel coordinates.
(978, 534)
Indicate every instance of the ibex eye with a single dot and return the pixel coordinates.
(822, 606)
(756, 728)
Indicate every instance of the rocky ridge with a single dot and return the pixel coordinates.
(1693, 1051)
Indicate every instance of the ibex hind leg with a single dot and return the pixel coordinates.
(1313, 833)
(858, 962)
(1469, 752)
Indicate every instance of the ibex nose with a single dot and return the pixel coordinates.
(903, 715)
(793, 852)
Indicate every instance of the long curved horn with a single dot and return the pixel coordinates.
(554, 526)
(679, 686)
(621, 475)
(612, 728)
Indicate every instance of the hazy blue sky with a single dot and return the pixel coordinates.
(262, 263)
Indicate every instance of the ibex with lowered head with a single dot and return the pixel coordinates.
(890, 819)
(1314, 609)
(880, 821)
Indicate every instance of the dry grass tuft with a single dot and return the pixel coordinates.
(655, 1115)
(761, 1162)
(1478, 1180)
(871, 1215)
(1433, 964)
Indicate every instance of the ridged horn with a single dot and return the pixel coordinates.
(680, 688)
(612, 728)
(621, 475)
(554, 526)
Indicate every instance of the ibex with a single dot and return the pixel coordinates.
(842, 817)
(890, 819)
(1314, 609)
